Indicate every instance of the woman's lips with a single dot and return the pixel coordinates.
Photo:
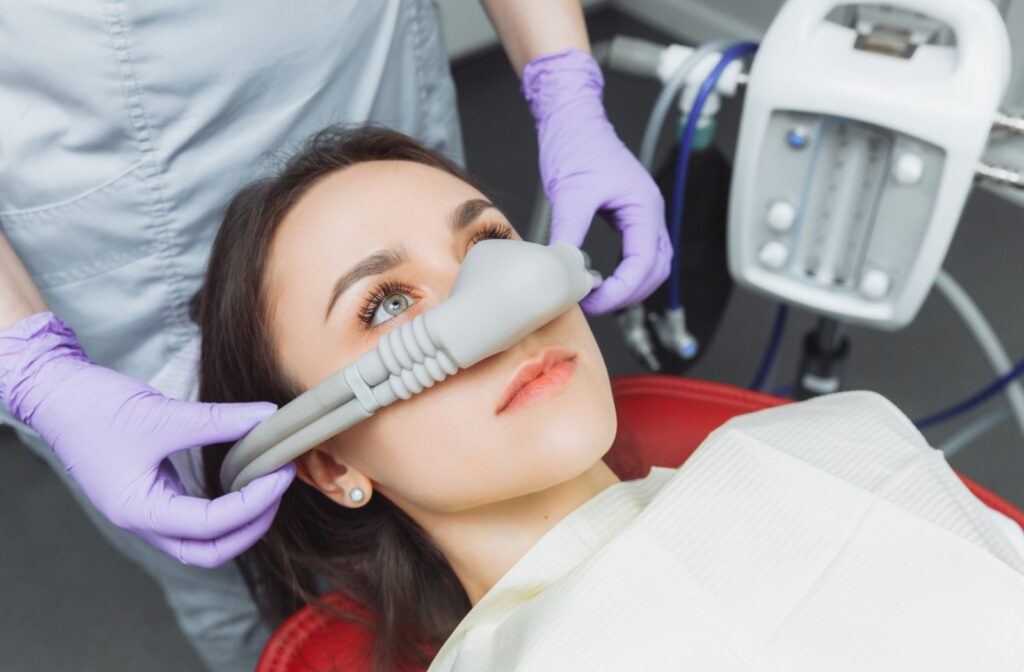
(545, 374)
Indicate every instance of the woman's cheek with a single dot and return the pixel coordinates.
(415, 447)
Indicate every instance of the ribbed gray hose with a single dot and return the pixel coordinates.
(405, 365)
(986, 338)
(669, 93)
(330, 424)
(309, 407)
(974, 431)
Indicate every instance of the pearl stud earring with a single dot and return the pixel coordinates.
(356, 495)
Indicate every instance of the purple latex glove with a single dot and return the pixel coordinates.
(113, 435)
(585, 168)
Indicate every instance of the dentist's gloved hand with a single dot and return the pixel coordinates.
(585, 168)
(113, 433)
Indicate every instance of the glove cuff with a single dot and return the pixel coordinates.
(552, 81)
(26, 347)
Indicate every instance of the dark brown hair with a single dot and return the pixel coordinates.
(377, 555)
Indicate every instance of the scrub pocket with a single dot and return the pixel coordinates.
(73, 240)
(97, 257)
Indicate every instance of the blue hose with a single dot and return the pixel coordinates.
(785, 391)
(976, 399)
(685, 147)
(772, 349)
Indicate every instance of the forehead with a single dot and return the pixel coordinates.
(377, 201)
(357, 211)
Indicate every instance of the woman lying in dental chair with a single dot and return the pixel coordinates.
(479, 516)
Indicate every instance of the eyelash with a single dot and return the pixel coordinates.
(495, 230)
(374, 299)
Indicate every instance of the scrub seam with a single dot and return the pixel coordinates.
(428, 118)
(46, 280)
(433, 82)
(159, 220)
(417, 28)
(56, 213)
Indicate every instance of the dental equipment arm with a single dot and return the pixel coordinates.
(505, 290)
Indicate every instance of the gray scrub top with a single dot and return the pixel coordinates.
(126, 126)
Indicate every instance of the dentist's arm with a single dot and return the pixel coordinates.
(113, 433)
(583, 164)
(19, 296)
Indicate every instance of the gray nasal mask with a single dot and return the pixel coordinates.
(505, 290)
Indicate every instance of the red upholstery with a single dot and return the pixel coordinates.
(662, 420)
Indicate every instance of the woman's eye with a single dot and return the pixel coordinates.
(393, 305)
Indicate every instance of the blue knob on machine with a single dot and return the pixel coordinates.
(797, 138)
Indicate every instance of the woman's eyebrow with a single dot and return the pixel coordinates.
(383, 261)
(375, 264)
(467, 212)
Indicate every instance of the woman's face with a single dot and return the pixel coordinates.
(374, 245)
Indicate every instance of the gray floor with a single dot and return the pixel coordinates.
(71, 603)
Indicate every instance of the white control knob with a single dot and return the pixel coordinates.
(908, 168)
(781, 215)
(874, 284)
(773, 254)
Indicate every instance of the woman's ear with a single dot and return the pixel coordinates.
(337, 481)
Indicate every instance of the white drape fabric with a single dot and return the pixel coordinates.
(824, 535)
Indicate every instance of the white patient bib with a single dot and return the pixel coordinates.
(824, 535)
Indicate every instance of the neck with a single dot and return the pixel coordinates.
(483, 543)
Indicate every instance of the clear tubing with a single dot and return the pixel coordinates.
(668, 95)
(707, 87)
(986, 338)
(973, 401)
(974, 431)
